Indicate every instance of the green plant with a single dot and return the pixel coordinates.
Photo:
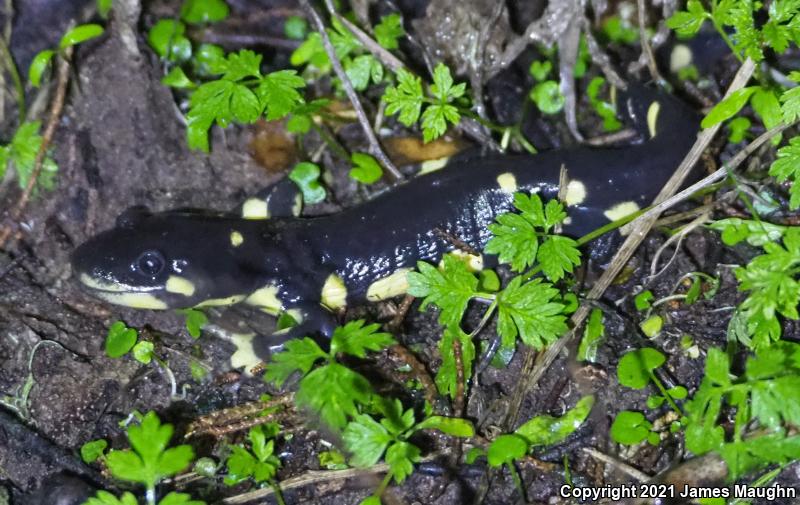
(259, 462)
(368, 439)
(147, 462)
(332, 390)
(762, 403)
(407, 100)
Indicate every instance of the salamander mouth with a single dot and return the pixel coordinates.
(121, 294)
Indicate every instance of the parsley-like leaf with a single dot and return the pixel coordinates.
(298, 355)
(528, 310)
(278, 93)
(333, 391)
(366, 439)
(406, 98)
(389, 30)
(356, 339)
(401, 457)
(787, 167)
(450, 288)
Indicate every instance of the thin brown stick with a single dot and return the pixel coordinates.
(536, 364)
(646, 49)
(56, 107)
(375, 147)
(385, 57)
(419, 371)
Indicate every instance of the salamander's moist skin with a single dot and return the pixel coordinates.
(268, 257)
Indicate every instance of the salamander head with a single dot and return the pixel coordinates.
(169, 260)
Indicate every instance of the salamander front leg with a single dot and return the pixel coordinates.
(312, 321)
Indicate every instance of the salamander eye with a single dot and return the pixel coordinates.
(150, 263)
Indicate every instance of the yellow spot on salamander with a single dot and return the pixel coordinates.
(473, 262)
(680, 57)
(334, 292)
(576, 193)
(621, 210)
(236, 238)
(267, 299)
(221, 302)
(389, 286)
(433, 165)
(245, 355)
(297, 315)
(507, 182)
(133, 300)
(255, 208)
(298, 205)
(179, 285)
(652, 118)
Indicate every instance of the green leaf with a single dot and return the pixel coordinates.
(245, 63)
(548, 430)
(120, 340)
(297, 355)
(306, 176)
(635, 368)
(209, 59)
(547, 96)
(143, 352)
(738, 129)
(333, 391)
(174, 498)
(765, 103)
(447, 375)
(356, 339)
(787, 167)
(630, 428)
(80, 34)
(642, 300)
(21, 154)
(435, 118)
(450, 425)
(539, 69)
(728, 107)
(592, 337)
(103, 8)
(241, 465)
(278, 93)
(371, 500)
(167, 39)
(450, 288)
(195, 321)
(406, 98)
(505, 449)
(295, 28)
(149, 461)
(558, 255)
(652, 326)
(204, 11)
(790, 100)
(38, 66)
(687, 23)
(717, 367)
(389, 30)
(401, 457)
(366, 169)
(366, 439)
(106, 498)
(176, 78)
(529, 310)
(93, 450)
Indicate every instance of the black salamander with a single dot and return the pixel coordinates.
(268, 257)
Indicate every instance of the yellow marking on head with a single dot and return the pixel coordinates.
(221, 302)
(179, 285)
(473, 262)
(245, 355)
(103, 285)
(334, 292)
(255, 208)
(298, 205)
(236, 238)
(267, 299)
(433, 165)
(680, 57)
(652, 118)
(507, 182)
(389, 286)
(133, 300)
(576, 193)
(621, 210)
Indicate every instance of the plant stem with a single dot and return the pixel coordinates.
(8, 60)
(278, 495)
(665, 394)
